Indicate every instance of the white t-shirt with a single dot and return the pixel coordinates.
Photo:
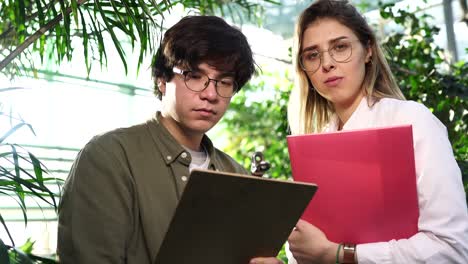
(200, 159)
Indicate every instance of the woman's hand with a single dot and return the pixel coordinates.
(269, 260)
(308, 244)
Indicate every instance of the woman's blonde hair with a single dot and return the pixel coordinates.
(308, 111)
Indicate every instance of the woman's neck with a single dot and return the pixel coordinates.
(345, 111)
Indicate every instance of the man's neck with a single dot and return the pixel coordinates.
(185, 137)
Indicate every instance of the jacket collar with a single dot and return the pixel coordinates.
(168, 145)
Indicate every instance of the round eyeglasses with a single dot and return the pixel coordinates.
(311, 59)
(198, 81)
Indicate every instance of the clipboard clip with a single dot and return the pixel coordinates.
(258, 165)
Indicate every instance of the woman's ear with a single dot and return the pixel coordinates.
(161, 83)
(369, 54)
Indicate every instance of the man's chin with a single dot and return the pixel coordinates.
(202, 126)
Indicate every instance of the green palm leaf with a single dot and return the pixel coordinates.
(56, 23)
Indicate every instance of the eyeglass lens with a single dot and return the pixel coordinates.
(340, 52)
(197, 82)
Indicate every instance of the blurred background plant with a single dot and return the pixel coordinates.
(426, 74)
(22, 176)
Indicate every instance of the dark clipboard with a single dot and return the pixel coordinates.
(230, 218)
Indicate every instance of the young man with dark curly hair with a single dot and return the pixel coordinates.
(124, 185)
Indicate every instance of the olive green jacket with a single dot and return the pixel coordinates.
(121, 193)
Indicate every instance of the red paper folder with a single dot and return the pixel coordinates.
(366, 183)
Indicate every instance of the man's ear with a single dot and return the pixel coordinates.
(161, 83)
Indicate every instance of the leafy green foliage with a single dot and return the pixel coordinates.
(53, 26)
(257, 121)
(424, 75)
(23, 255)
(22, 175)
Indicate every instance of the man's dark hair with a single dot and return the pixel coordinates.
(203, 39)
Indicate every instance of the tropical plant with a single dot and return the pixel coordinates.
(257, 121)
(53, 27)
(22, 175)
(425, 75)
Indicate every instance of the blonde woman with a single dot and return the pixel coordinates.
(343, 83)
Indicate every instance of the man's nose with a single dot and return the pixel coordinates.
(209, 92)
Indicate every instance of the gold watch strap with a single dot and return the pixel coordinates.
(349, 252)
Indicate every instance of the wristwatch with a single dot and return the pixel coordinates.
(349, 252)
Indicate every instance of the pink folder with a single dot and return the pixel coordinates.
(366, 183)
